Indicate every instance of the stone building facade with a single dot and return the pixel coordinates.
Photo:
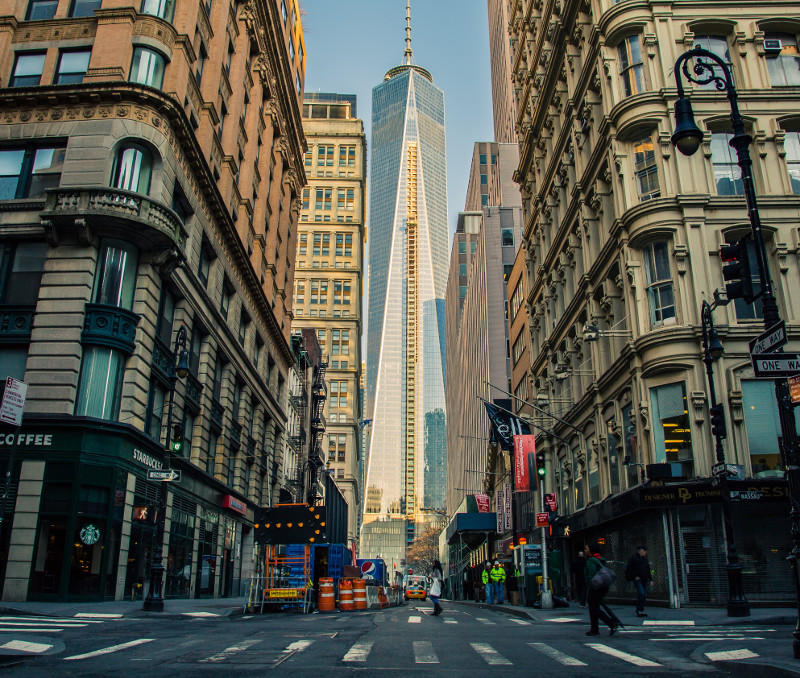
(622, 238)
(152, 170)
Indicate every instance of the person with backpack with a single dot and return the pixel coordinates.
(435, 590)
(599, 578)
(638, 571)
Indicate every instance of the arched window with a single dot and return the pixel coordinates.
(147, 67)
(132, 168)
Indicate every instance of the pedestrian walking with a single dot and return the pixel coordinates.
(579, 572)
(599, 578)
(487, 585)
(497, 578)
(435, 590)
(638, 571)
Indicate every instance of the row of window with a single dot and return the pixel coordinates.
(39, 10)
(326, 155)
(322, 244)
(323, 198)
(319, 291)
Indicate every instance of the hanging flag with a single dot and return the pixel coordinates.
(505, 426)
(524, 447)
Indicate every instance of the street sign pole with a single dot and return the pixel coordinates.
(547, 596)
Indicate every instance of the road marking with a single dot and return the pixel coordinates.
(249, 616)
(229, 651)
(484, 620)
(43, 620)
(558, 656)
(292, 649)
(199, 614)
(25, 646)
(730, 654)
(521, 622)
(624, 656)
(450, 621)
(111, 648)
(489, 654)
(359, 652)
(66, 625)
(414, 619)
(563, 620)
(423, 652)
(91, 615)
(27, 630)
(654, 622)
(688, 639)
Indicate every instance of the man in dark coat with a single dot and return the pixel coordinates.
(638, 571)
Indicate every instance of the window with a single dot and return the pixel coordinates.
(727, 173)
(792, 146)
(223, 113)
(84, 7)
(516, 298)
(180, 203)
(244, 323)
(659, 284)
(482, 159)
(484, 199)
(337, 447)
(164, 9)
(718, 45)
(188, 429)
(325, 156)
(229, 58)
(25, 172)
(211, 457)
(341, 292)
(306, 198)
(671, 430)
(462, 270)
(166, 317)
(299, 295)
(347, 156)
(324, 198)
(784, 67)
(207, 256)
(225, 296)
(337, 394)
(115, 279)
(631, 66)
(195, 346)
(319, 292)
(507, 236)
(763, 427)
(202, 57)
(645, 169)
(462, 247)
(345, 198)
(155, 410)
(518, 348)
(484, 179)
(340, 342)
(28, 67)
(41, 9)
(72, 66)
(754, 311)
(21, 272)
(132, 168)
(307, 157)
(100, 383)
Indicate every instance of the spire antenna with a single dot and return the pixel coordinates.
(407, 53)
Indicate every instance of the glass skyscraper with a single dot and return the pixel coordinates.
(408, 264)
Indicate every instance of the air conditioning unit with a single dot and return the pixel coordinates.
(772, 47)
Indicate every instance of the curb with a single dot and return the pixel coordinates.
(751, 668)
(515, 611)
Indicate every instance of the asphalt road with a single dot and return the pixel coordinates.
(408, 640)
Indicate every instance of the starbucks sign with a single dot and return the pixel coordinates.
(90, 534)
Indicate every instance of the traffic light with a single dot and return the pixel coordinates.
(177, 439)
(736, 270)
(540, 469)
(718, 421)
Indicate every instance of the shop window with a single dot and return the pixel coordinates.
(631, 65)
(84, 7)
(147, 67)
(784, 65)
(132, 168)
(660, 291)
(25, 172)
(163, 9)
(645, 169)
(27, 71)
(727, 173)
(72, 66)
(51, 544)
(671, 429)
(39, 10)
(792, 146)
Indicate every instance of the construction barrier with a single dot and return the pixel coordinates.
(383, 600)
(372, 598)
(360, 594)
(346, 595)
(326, 600)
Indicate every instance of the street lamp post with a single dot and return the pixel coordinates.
(712, 351)
(154, 602)
(706, 69)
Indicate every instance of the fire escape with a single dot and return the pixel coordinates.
(299, 403)
(319, 394)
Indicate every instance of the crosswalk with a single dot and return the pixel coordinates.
(14, 630)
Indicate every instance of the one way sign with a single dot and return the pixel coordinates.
(772, 365)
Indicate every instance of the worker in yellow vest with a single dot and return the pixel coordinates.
(487, 584)
(497, 579)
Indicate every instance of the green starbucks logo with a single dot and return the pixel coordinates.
(90, 534)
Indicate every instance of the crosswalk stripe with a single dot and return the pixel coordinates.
(42, 620)
(557, 655)
(228, 651)
(414, 619)
(359, 652)
(563, 620)
(450, 621)
(661, 622)
(292, 649)
(731, 654)
(484, 620)
(93, 615)
(199, 614)
(489, 654)
(25, 646)
(423, 652)
(17, 629)
(44, 625)
(110, 649)
(689, 639)
(521, 622)
(624, 656)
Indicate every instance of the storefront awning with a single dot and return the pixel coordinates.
(470, 522)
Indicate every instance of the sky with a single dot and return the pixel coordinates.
(350, 44)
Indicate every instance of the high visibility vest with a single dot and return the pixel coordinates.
(497, 574)
(485, 576)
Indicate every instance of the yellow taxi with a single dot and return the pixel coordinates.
(416, 587)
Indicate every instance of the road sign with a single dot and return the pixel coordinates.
(167, 475)
(731, 470)
(550, 501)
(773, 365)
(13, 401)
(542, 520)
(771, 340)
(794, 389)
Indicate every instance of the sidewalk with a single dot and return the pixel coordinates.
(194, 607)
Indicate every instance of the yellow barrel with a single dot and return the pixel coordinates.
(359, 594)
(325, 599)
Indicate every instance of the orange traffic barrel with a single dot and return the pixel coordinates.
(382, 598)
(345, 595)
(359, 594)
(325, 599)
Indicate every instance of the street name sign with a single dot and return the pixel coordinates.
(773, 365)
(164, 475)
(771, 340)
(13, 401)
(723, 469)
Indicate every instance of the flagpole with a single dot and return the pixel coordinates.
(530, 423)
(535, 407)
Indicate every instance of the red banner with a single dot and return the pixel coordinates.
(524, 445)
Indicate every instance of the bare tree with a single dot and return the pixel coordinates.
(423, 551)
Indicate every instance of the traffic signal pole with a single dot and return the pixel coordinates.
(547, 596)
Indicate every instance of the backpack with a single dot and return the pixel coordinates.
(603, 578)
